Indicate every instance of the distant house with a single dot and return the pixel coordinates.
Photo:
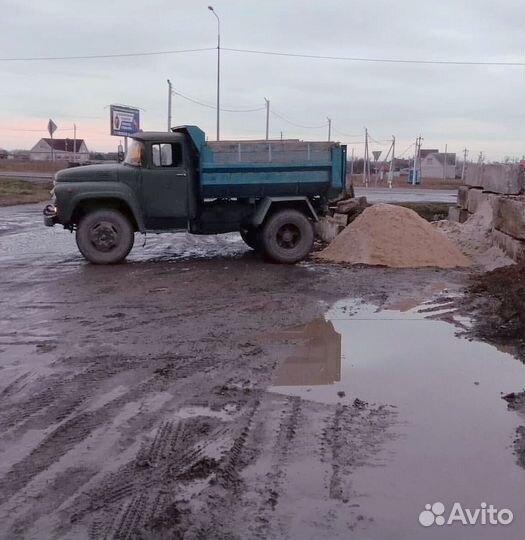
(63, 149)
(435, 164)
(3, 153)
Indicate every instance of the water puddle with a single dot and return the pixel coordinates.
(454, 433)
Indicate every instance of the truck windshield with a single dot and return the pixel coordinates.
(135, 154)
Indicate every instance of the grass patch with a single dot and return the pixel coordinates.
(15, 191)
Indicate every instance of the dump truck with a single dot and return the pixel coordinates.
(272, 192)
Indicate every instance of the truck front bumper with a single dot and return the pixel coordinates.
(50, 215)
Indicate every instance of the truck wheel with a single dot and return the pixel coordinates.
(287, 236)
(105, 236)
(251, 237)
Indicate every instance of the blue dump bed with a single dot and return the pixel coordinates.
(268, 168)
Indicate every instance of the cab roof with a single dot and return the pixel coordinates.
(157, 136)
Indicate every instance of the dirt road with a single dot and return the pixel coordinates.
(163, 398)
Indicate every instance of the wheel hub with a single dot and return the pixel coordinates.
(104, 236)
(288, 236)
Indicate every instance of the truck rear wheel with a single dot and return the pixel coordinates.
(287, 236)
(105, 236)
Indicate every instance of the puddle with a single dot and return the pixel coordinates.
(455, 434)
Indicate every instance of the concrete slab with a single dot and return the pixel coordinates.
(509, 216)
(327, 228)
(462, 196)
(457, 214)
(503, 179)
(514, 248)
(473, 175)
(475, 198)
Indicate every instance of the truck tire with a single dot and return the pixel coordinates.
(251, 237)
(105, 236)
(287, 236)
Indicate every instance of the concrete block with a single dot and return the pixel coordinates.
(457, 214)
(509, 215)
(462, 196)
(342, 219)
(512, 247)
(473, 175)
(505, 179)
(475, 198)
(327, 228)
(350, 206)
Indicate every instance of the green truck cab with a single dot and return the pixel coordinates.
(270, 191)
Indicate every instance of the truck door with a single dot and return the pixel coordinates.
(165, 187)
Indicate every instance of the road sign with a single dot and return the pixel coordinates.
(51, 127)
(124, 120)
(376, 154)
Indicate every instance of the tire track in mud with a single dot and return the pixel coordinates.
(146, 493)
(351, 438)
(276, 477)
(73, 430)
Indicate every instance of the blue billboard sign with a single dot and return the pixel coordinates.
(124, 120)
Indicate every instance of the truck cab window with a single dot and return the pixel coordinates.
(135, 154)
(166, 155)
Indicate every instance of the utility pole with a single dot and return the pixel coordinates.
(392, 165)
(366, 162)
(417, 161)
(267, 118)
(465, 153)
(329, 128)
(170, 93)
(74, 143)
(218, 70)
(445, 163)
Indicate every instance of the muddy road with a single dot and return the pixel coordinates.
(197, 392)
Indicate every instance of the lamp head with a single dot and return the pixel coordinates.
(210, 8)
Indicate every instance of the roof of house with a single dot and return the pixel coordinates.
(64, 145)
(427, 151)
(450, 158)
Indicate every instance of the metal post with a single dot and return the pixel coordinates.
(170, 92)
(329, 128)
(125, 145)
(52, 149)
(74, 143)
(267, 118)
(218, 69)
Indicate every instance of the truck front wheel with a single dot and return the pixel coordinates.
(287, 236)
(105, 236)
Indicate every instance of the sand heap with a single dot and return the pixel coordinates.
(390, 235)
(474, 238)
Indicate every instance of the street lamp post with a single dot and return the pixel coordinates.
(218, 69)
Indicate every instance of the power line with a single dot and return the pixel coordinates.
(378, 60)
(98, 56)
(270, 53)
(296, 124)
(210, 106)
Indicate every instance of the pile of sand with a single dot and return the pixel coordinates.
(390, 235)
(474, 238)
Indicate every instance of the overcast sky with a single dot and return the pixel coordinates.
(480, 107)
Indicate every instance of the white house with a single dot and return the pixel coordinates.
(62, 148)
(435, 164)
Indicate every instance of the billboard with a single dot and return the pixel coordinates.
(124, 120)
